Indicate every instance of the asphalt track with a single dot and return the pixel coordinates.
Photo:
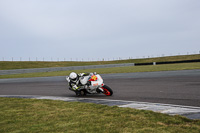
(169, 87)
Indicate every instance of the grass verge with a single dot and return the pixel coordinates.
(7, 65)
(129, 69)
(30, 115)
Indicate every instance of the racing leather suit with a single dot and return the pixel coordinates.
(75, 85)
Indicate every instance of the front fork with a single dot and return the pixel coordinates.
(101, 89)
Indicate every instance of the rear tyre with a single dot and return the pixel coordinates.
(107, 90)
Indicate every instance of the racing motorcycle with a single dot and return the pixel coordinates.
(93, 84)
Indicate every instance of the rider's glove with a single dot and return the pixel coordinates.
(88, 82)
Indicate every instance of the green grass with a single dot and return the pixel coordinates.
(7, 65)
(31, 116)
(129, 69)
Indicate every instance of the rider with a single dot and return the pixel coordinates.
(74, 81)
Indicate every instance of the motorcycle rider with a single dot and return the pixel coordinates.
(74, 82)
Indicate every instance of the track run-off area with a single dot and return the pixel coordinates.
(180, 88)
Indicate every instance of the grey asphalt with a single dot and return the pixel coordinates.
(169, 87)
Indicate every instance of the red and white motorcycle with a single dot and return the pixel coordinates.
(93, 84)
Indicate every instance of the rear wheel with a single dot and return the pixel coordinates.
(107, 90)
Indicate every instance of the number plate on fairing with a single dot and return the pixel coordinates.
(95, 83)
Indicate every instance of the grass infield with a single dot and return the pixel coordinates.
(30, 115)
(7, 65)
(129, 69)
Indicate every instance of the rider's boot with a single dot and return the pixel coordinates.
(78, 93)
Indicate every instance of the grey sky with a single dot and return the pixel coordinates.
(82, 29)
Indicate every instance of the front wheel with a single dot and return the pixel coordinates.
(107, 90)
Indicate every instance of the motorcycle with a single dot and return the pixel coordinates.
(92, 84)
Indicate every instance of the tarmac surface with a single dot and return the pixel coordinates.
(169, 87)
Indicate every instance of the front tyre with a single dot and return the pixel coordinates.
(107, 90)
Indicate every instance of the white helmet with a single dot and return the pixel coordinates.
(73, 76)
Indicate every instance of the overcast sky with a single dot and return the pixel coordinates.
(96, 29)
